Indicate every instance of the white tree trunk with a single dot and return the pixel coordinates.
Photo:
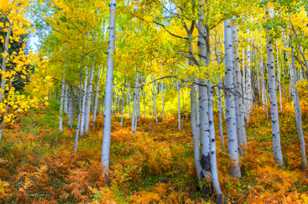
(178, 85)
(279, 78)
(298, 112)
(89, 101)
(230, 103)
(84, 102)
(239, 106)
(220, 115)
(65, 102)
(61, 105)
(273, 101)
(263, 85)
(162, 91)
(204, 128)
(195, 130)
(135, 105)
(214, 169)
(70, 111)
(108, 94)
(249, 91)
(97, 93)
(154, 95)
(122, 109)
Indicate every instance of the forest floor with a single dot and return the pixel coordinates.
(153, 166)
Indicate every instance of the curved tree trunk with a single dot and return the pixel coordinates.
(298, 112)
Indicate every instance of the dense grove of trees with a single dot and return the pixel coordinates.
(206, 63)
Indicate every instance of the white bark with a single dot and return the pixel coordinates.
(162, 92)
(83, 106)
(70, 110)
(3, 68)
(249, 91)
(204, 128)
(220, 116)
(97, 94)
(298, 112)
(239, 106)
(279, 78)
(135, 105)
(122, 109)
(61, 105)
(230, 103)
(66, 96)
(178, 85)
(214, 169)
(273, 101)
(195, 130)
(89, 101)
(263, 84)
(108, 93)
(154, 96)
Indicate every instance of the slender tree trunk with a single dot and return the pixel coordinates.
(249, 91)
(273, 101)
(279, 78)
(298, 112)
(122, 109)
(108, 94)
(66, 99)
(89, 101)
(70, 111)
(154, 93)
(239, 106)
(196, 131)
(3, 69)
(135, 105)
(162, 91)
(263, 85)
(204, 129)
(178, 85)
(61, 105)
(77, 131)
(214, 169)
(220, 116)
(230, 103)
(84, 102)
(97, 93)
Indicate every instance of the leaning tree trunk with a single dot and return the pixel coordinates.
(273, 102)
(230, 102)
(298, 112)
(105, 157)
(214, 169)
